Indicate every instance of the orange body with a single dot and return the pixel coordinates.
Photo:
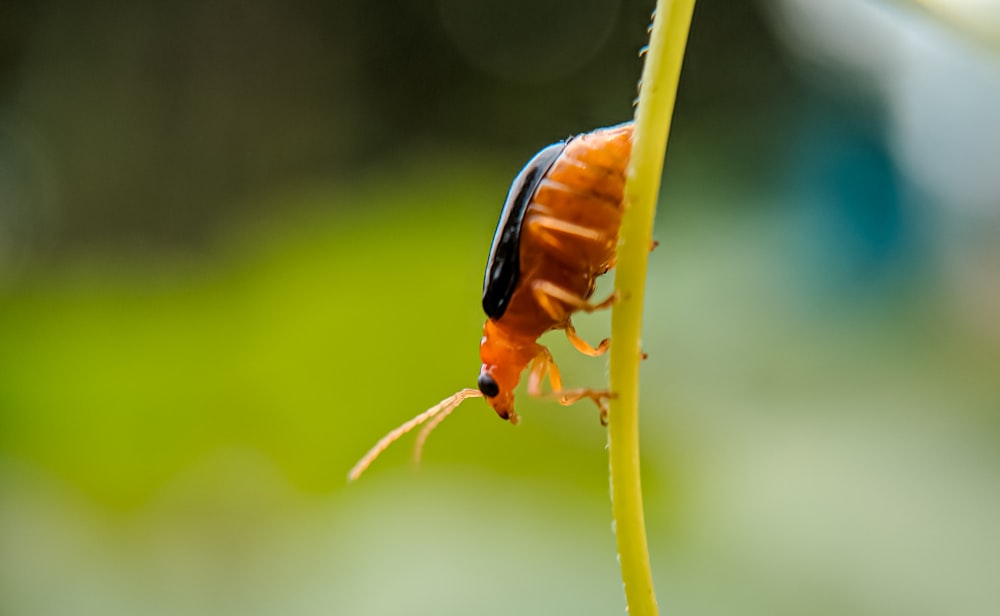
(568, 238)
(558, 232)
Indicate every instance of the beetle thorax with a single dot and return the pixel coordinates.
(505, 355)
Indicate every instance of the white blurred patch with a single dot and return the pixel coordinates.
(939, 82)
(232, 536)
(945, 129)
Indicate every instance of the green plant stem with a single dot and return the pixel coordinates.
(660, 76)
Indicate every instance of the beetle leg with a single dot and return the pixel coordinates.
(549, 226)
(608, 302)
(544, 364)
(600, 398)
(581, 344)
(555, 378)
(567, 397)
(539, 367)
(548, 294)
(542, 290)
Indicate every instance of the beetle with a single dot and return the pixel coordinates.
(557, 233)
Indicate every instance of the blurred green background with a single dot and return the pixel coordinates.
(239, 241)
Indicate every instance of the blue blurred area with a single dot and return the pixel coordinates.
(860, 227)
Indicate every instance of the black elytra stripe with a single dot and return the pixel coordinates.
(503, 268)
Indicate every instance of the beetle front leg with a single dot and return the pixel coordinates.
(544, 364)
(600, 398)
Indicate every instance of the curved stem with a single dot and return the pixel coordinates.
(660, 76)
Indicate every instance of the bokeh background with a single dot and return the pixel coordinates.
(239, 241)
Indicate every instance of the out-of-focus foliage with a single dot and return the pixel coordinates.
(239, 242)
(140, 122)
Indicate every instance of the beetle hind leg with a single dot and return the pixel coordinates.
(553, 230)
(550, 295)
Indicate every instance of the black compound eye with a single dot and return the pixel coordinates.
(488, 386)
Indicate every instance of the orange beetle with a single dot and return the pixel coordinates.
(558, 232)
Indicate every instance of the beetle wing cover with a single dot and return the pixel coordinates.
(503, 267)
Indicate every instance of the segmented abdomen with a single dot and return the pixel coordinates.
(570, 230)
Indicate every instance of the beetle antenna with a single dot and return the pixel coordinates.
(418, 445)
(436, 413)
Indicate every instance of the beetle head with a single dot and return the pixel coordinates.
(498, 389)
